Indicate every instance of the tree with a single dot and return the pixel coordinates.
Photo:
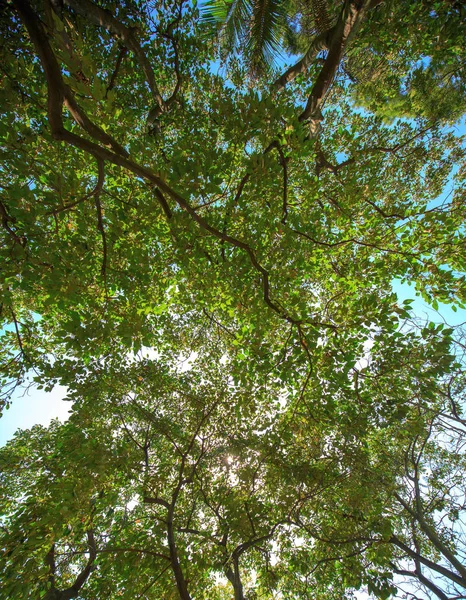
(158, 208)
(200, 480)
(184, 483)
(425, 520)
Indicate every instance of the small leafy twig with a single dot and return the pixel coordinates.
(6, 218)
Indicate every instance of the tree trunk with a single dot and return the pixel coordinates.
(175, 562)
(234, 578)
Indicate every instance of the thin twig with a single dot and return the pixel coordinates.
(100, 222)
(123, 52)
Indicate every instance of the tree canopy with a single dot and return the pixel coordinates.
(203, 211)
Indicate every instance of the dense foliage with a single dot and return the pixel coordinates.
(203, 212)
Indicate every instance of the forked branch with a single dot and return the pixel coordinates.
(58, 94)
(104, 18)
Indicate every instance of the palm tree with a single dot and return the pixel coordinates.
(262, 29)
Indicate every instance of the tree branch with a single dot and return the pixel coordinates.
(83, 576)
(434, 538)
(50, 562)
(428, 563)
(93, 130)
(168, 34)
(318, 44)
(56, 98)
(123, 52)
(104, 18)
(18, 335)
(422, 579)
(6, 218)
(159, 501)
(349, 22)
(100, 222)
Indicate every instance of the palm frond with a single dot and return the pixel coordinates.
(267, 26)
(232, 17)
(321, 15)
(253, 27)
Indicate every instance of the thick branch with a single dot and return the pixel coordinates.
(428, 563)
(100, 224)
(159, 501)
(422, 579)
(180, 579)
(93, 130)
(434, 538)
(58, 92)
(82, 577)
(55, 87)
(163, 203)
(348, 23)
(50, 562)
(318, 44)
(104, 18)
(234, 577)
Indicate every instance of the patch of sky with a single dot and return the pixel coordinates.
(443, 314)
(33, 407)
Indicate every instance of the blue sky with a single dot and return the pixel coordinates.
(444, 314)
(31, 408)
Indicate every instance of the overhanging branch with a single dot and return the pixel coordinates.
(104, 18)
(58, 94)
(318, 44)
(349, 22)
